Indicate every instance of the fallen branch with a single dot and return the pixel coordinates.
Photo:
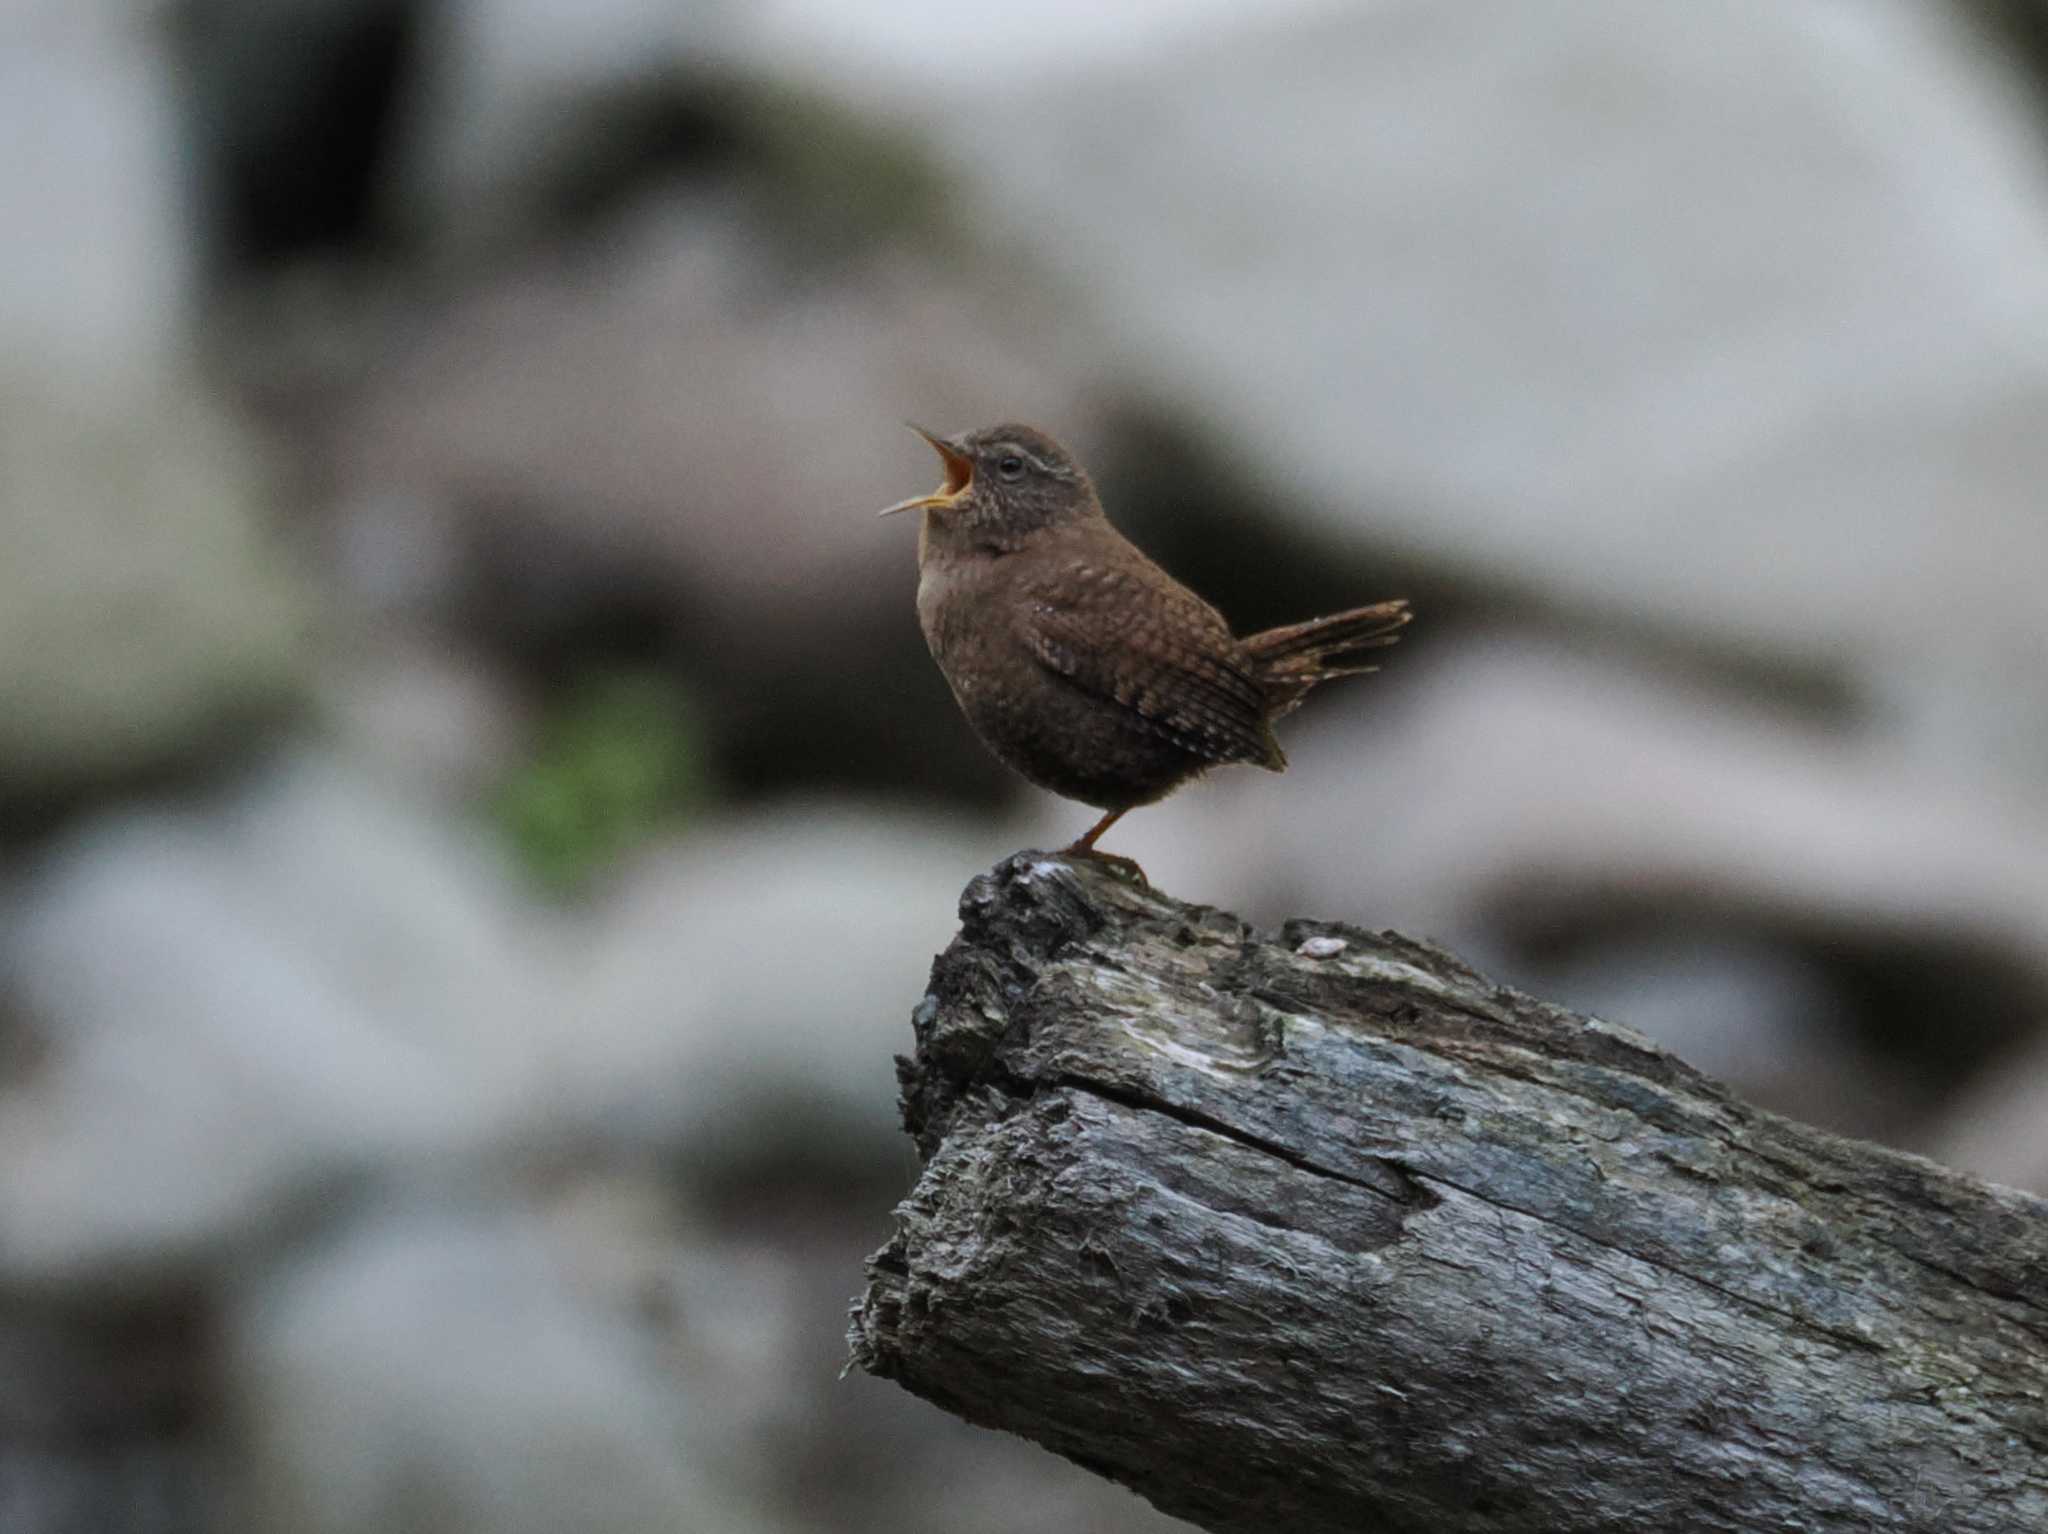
(1323, 1231)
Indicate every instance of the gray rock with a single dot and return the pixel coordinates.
(874, 49)
(743, 990)
(97, 275)
(430, 1368)
(673, 415)
(234, 1009)
(427, 709)
(143, 606)
(228, 1010)
(508, 84)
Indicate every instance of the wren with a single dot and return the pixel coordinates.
(1078, 661)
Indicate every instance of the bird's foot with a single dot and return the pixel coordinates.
(1124, 868)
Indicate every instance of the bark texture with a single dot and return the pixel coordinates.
(1321, 1230)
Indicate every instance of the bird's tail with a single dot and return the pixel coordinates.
(1293, 659)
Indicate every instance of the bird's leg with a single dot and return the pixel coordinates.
(1084, 847)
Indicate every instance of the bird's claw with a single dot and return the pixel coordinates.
(1124, 868)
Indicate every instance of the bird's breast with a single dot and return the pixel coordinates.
(957, 599)
(936, 584)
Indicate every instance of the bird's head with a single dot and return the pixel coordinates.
(1002, 483)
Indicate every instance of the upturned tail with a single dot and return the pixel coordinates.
(1294, 659)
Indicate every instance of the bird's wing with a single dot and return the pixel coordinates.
(1161, 653)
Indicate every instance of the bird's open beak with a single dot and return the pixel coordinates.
(959, 475)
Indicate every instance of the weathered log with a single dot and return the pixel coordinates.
(1320, 1230)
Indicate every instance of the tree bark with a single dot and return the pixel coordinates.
(1321, 1230)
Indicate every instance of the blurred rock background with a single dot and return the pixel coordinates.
(475, 811)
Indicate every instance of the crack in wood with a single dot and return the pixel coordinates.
(1400, 1187)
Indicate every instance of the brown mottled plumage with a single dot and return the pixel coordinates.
(1080, 662)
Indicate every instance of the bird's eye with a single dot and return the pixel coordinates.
(1010, 466)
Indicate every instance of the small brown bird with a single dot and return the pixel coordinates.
(1080, 662)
